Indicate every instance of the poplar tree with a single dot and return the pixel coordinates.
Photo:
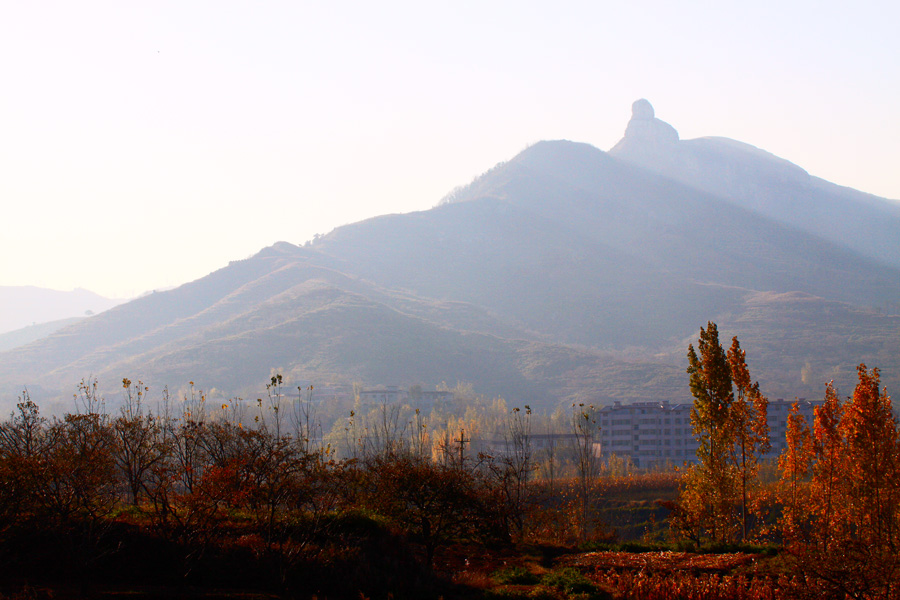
(795, 465)
(732, 433)
(871, 458)
(711, 386)
(749, 420)
(828, 481)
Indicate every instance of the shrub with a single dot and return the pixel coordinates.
(515, 576)
(504, 593)
(541, 592)
(570, 581)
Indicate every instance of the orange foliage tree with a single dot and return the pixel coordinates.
(852, 533)
(870, 431)
(828, 478)
(749, 425)
(794, 463)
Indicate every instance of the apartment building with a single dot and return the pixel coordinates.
(393, 394)
(659, 433)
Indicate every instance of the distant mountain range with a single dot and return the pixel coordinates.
(27, 306)
(566, 273)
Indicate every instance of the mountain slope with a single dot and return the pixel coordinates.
(591, 250)
(766, 184)
(317, 330)
(564, 274)
(26, 335)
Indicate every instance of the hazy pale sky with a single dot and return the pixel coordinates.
(145, 144)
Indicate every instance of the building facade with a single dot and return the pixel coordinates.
(653, 434)
(393, 394)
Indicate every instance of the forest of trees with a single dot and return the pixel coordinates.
(253, 495)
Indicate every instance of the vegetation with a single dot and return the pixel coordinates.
(250, 498)
(843, 525)
(838, 499)
(732, 433)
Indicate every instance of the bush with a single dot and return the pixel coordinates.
(515, 576)
(570, 581)
(541, 592)
(504, 593)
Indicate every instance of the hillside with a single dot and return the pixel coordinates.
(564, 273)
(26, 335)
(25, 306)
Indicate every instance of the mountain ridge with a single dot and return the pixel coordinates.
(769, 185)
(563, 274)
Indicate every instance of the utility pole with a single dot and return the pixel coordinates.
(462, 444)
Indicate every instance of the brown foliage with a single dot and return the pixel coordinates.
(433, 502)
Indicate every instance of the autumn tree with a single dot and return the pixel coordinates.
(511, 471)
(711, 386)
(827, 480)
(585, 431)
(870, 431)
(432, 502)
(186, 435)
(732, 434)
(136, 433)
(794, 463)
(749, 425)
(852, 533)
(78, 476)
(77, 486)
(307, 428)
(24, 441)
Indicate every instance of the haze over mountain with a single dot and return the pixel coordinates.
(24, 306)
(565, 273)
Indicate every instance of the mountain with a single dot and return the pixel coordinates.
(26, 335)
(764, 183)
(566, 273)
(591, 250)
(277, 310)
(23, 306)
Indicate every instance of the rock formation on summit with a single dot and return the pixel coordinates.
(645, 133)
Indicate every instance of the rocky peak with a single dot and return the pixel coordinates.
(642, 110)
(645, 131)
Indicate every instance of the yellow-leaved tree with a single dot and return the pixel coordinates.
(732, 434)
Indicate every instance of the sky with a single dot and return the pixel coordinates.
(146, 144)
